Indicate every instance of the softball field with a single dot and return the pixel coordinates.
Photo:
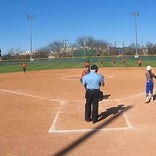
(42, 114)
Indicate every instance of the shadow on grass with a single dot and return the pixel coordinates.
(73, 145)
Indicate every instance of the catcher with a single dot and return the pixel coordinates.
(84, 72)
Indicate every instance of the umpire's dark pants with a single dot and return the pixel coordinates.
(92, 104)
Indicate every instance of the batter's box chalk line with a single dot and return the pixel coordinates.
(53, 129)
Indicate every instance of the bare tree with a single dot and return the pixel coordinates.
(56, 47)
(86, 43)
(41, 53)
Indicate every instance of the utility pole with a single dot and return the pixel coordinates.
(30, 18)
(0, 55)
(65, 46)
(135, 14)
(123, 46)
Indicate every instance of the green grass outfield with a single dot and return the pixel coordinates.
(64, 63)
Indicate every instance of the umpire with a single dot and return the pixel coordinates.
(92, 83)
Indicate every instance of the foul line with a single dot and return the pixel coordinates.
(29, 95)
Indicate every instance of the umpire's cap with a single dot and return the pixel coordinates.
(94, 67)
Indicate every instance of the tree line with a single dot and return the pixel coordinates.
(83, 46)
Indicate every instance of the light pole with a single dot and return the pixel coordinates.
(0, 55)
(65, 45)
(123, 46)
(135, 14)
(84, 48)
(30, 18)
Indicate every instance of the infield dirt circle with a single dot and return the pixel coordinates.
(42, 114)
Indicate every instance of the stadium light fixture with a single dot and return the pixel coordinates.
(30, 18)
(135, 14)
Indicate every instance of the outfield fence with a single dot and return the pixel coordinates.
(105, 59)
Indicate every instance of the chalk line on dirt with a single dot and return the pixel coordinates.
(52, 128)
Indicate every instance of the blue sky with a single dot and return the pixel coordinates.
(58, 20)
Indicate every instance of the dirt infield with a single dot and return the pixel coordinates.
(42, 114)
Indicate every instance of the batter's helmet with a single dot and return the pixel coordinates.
(148, 68)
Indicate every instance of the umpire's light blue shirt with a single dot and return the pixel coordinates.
(92, 80)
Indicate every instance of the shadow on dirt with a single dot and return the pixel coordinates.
(103, 97)
(117, 111)
(154, 97)
(110, 111)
